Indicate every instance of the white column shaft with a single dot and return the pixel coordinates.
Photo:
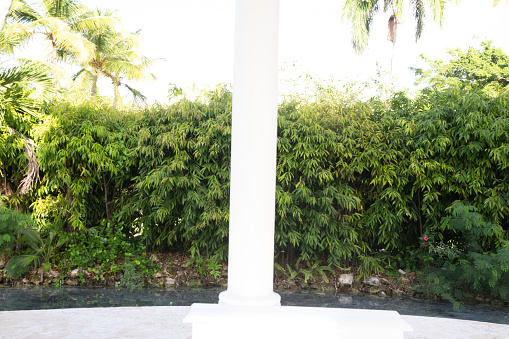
(253, 157)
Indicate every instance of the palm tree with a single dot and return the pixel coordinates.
(23, 86)
(104, 41)
(116, 57)
(20, 85)
(61, 21)
(130, 65)
(360, 13)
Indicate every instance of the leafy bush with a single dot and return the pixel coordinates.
(131, 279)
(180, 194)
(17, 233)
(474, 261)
(317, 209)
(22, 242)
(359, 181)
(85, 162)
(98, 246)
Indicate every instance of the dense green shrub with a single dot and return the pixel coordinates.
(16, 231)
(460, 151)
(181, 190)
(85, 162)
(357, 180)
(317, 208)
(474, 261)
(102, 249)
(22, 243)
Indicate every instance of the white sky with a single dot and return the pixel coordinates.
(195, 37)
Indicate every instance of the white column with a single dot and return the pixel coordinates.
(253, 157)
(246, 310)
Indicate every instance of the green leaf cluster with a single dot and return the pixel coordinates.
(474, 262)
(357, 180)
(22, 243)
(181, 191)
(486, 68)
(85, 160)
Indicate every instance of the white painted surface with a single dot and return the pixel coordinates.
(253, 155)
(96, 323)
(427, 328)
(166, 322)
(250, 322)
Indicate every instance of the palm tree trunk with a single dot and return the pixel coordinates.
(54, 51)
(93, 91)
(392, 37)
(117, 100)
(393, 48)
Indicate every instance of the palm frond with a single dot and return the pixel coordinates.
(17, 84)
(28, 72)
(95, 23)
(13, 36)
(29, 179)
(397, 8)
(84, 78)
(137, 95)
(19, 265)
(419, 15)
(63, 8)
(133, 71)
(129, 42)
(360, 14)
(80, 74)
(53, 24)
(22, 12)
(75, 44)
(436, 8)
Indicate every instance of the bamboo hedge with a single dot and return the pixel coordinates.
(353, 177)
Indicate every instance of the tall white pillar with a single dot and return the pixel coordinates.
(246, 310)
(253, 155)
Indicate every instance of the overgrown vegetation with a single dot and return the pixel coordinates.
(418, 184)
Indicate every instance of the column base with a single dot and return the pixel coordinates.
(212, 321)
(228, 298)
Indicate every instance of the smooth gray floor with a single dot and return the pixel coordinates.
(166, 322)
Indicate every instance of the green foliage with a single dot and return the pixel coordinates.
(314, 270)
(20, 240)
(487, 68)
(317, 209)
(83, 153)
(98, 247)
(99, 250)
(358, 182)
(368, 267)
(311, 270)
(475, 261)
(180, 194)
(17, 233)
(131, 279)
(13, 223)
(207, 267)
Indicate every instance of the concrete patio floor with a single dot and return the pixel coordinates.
(166, 322)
